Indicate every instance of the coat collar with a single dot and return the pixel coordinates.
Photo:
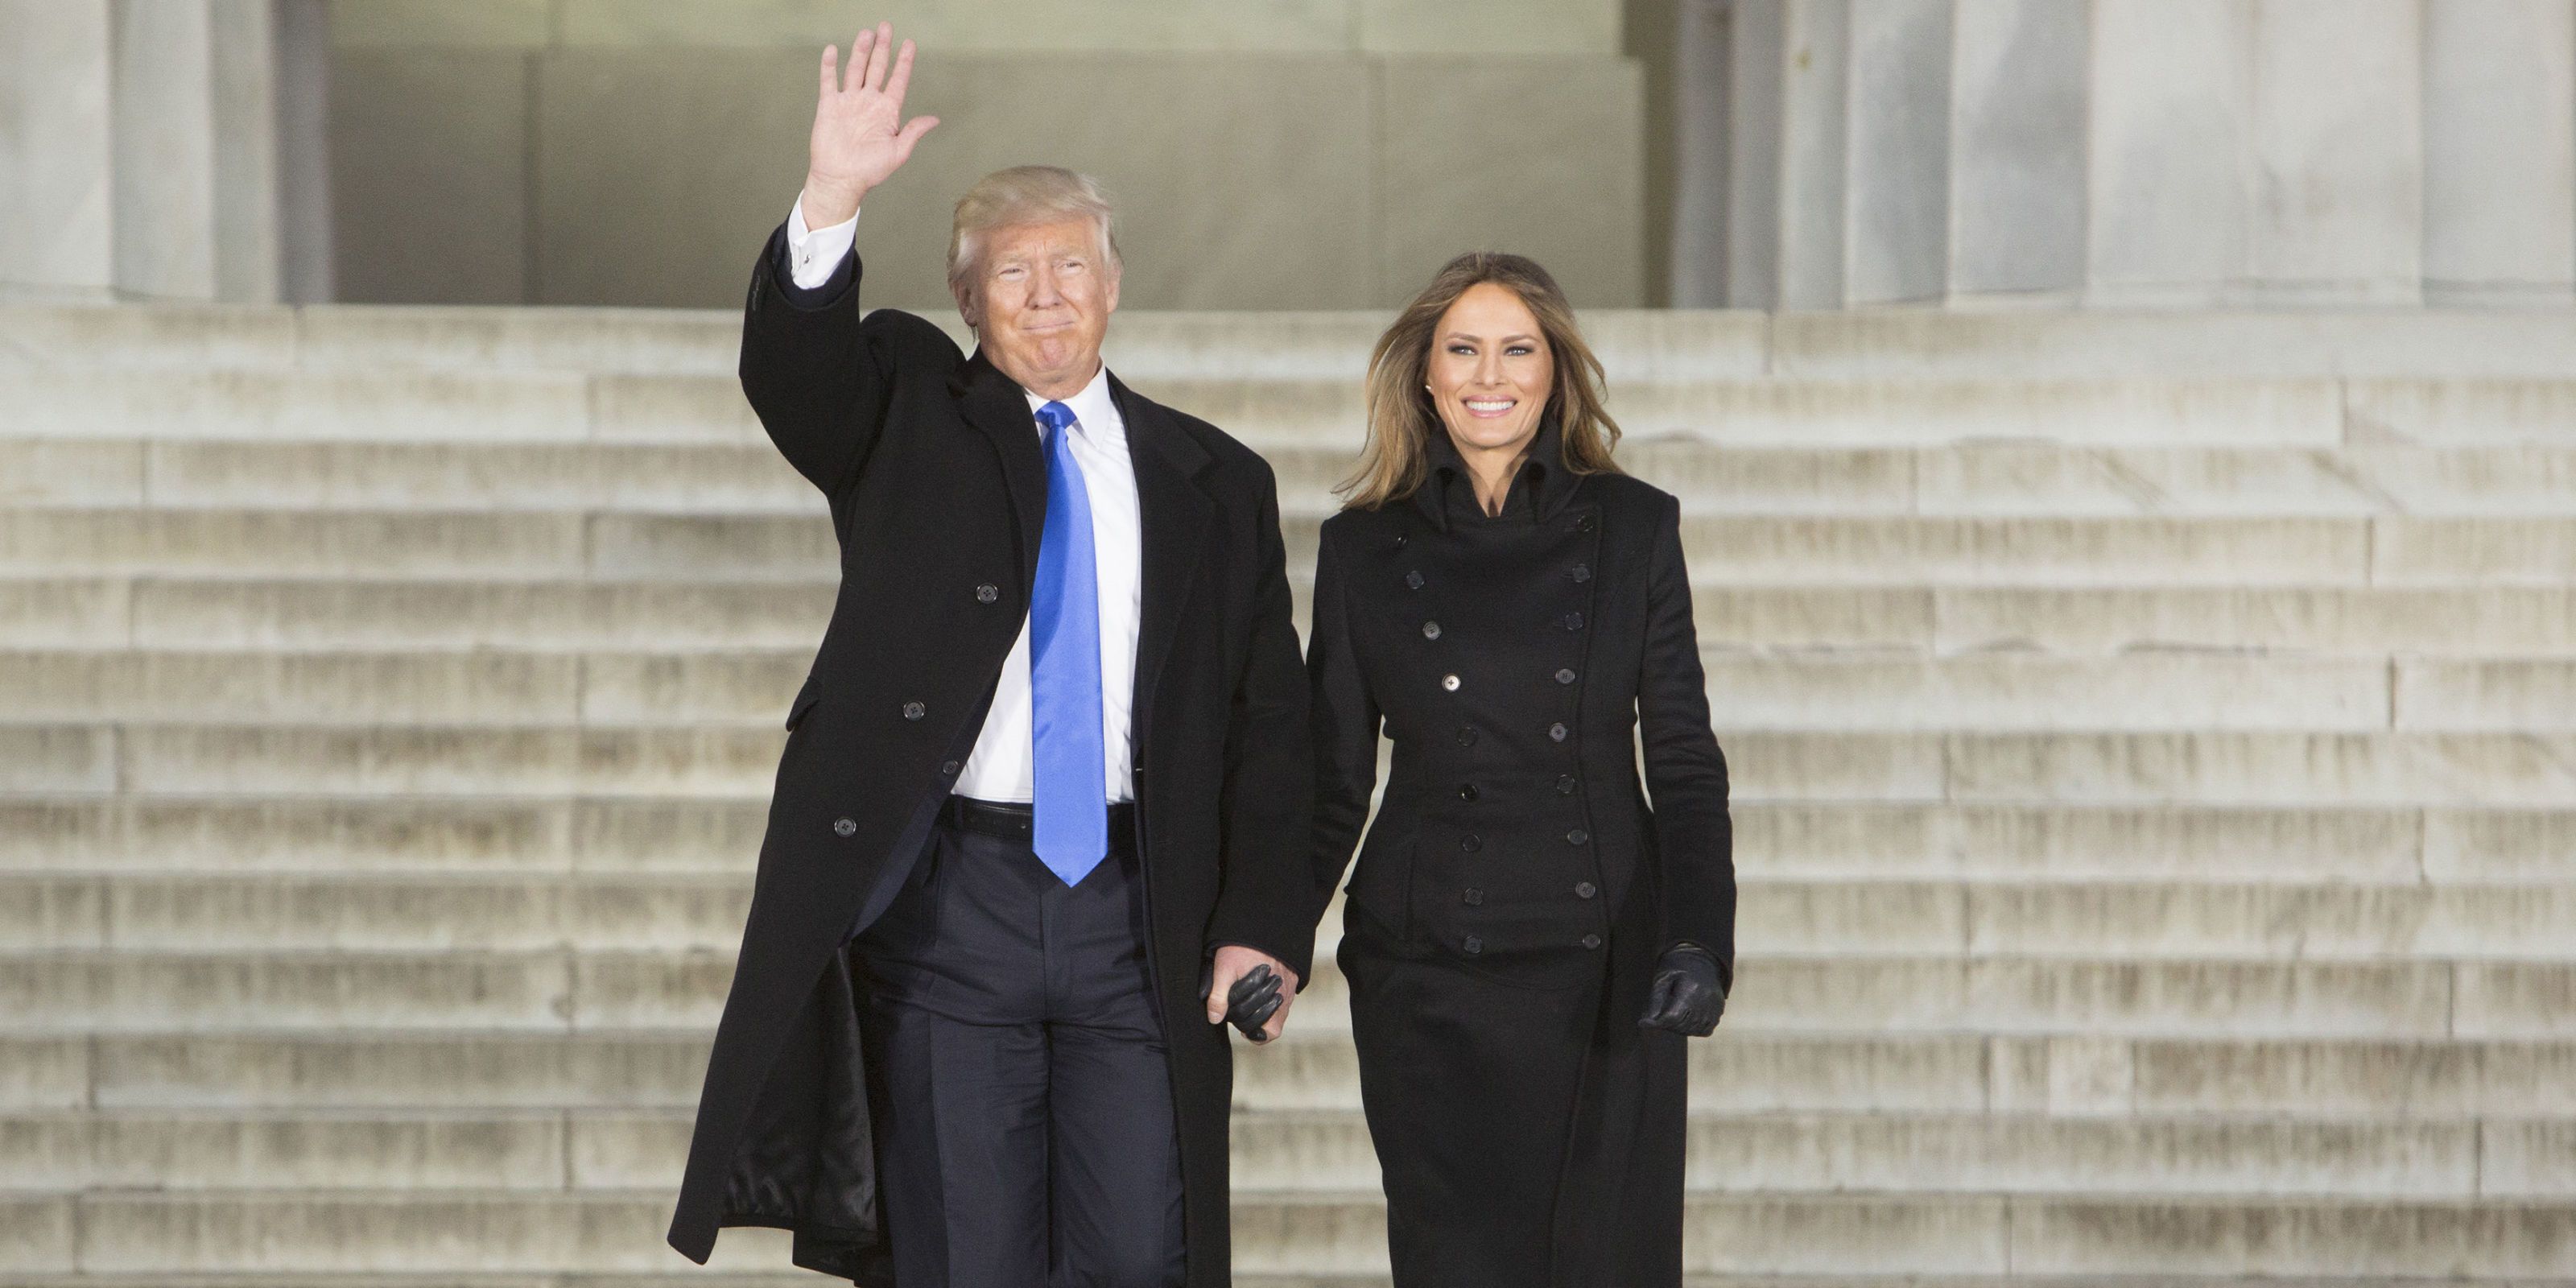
(1543, 481)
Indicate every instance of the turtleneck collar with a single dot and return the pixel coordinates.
(1539, 489)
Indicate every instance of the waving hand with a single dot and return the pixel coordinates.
(860, 136)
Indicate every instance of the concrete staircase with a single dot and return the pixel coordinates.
(2155, 745)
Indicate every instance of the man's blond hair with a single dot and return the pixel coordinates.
(1024, 194)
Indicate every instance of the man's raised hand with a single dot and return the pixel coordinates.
(860, 136)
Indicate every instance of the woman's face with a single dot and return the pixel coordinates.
(1490, 372)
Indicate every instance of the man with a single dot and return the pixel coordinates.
(1044, 797)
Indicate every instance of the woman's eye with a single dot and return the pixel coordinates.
(1463, 350)
(1520, 351)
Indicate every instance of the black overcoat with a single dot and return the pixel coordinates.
(937, 490)
(1518, 885)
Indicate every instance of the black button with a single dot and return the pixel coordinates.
(1475, 897)
(1577, 837)
(1473, 944)
(1581, 573)
(1574, 621)
(1431, 630)
(1583, 524)
(1467, 735)
(1565, 675)
(1413, 579)
(1585, 890)
(1466, 791)
(844, 826)
(948, 766)
(1471, 842)
(1592, 941)
(987, 593)
(914, 711)
(1565, 784)
(1556, 733)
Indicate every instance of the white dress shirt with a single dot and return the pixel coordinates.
(1003, 764)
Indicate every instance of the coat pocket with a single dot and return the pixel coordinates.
(806, 697)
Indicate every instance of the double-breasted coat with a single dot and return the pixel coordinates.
(1517, 888)
(931, 465)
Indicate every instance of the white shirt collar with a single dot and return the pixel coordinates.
(1093, 408)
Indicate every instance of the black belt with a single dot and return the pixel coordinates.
(1015, 820)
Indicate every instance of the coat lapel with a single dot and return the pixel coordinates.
(993, 403)
(1175, 515)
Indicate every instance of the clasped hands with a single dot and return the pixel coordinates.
(1249, 988)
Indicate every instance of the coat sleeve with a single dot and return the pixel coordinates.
(818, 377)
(1346, 720)
(1265, 901)
(1685, 770)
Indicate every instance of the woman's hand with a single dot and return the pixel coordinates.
(860, 137)
(1250, 987)
(1686, 996)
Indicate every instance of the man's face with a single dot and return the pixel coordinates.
(1045, 296)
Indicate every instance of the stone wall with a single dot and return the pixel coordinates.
(2146, 152)
(1309, 154)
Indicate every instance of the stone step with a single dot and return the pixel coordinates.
(2421, 998)
(1740, 1071)
(539, 1151)
(1724, 550)
(2181, 1240)
(2139, 692)
(698, 1277)
(292, 1231)
(506, 405)
(1634, 344)
(1964, 479)
(665, 913)
(713, 770)
(306, 614)
(1721, 549)
(2370, 843)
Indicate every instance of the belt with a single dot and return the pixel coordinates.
(1016, 820)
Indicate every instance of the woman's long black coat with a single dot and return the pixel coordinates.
(937, 489)
(1514, 661)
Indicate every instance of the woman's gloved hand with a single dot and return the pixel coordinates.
(1250, 1003)
(1687, 995)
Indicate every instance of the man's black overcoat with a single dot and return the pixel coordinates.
(937, 486)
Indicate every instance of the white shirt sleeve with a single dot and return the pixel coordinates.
(811, 256)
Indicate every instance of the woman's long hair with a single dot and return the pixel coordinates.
(1401, 418)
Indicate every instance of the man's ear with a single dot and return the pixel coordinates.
(1111, 300)
(966, 307)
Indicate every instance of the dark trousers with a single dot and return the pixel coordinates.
(1029, 1138)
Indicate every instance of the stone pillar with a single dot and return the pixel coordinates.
(2181, 153)
(2499, 151)
(2016, 170)
(55, 158)
(140, 149)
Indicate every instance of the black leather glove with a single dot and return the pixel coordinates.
(1251, 1002)
(1687, 995)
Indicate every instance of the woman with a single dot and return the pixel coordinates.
(1526, 942)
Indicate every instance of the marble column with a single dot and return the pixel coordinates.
(139, 149)
(2156, 153)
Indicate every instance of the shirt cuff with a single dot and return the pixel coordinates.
(814, 256)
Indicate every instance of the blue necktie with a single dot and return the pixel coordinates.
(1072, 807)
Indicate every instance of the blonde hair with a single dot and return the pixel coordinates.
(1024, 194)
(1401, 417)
